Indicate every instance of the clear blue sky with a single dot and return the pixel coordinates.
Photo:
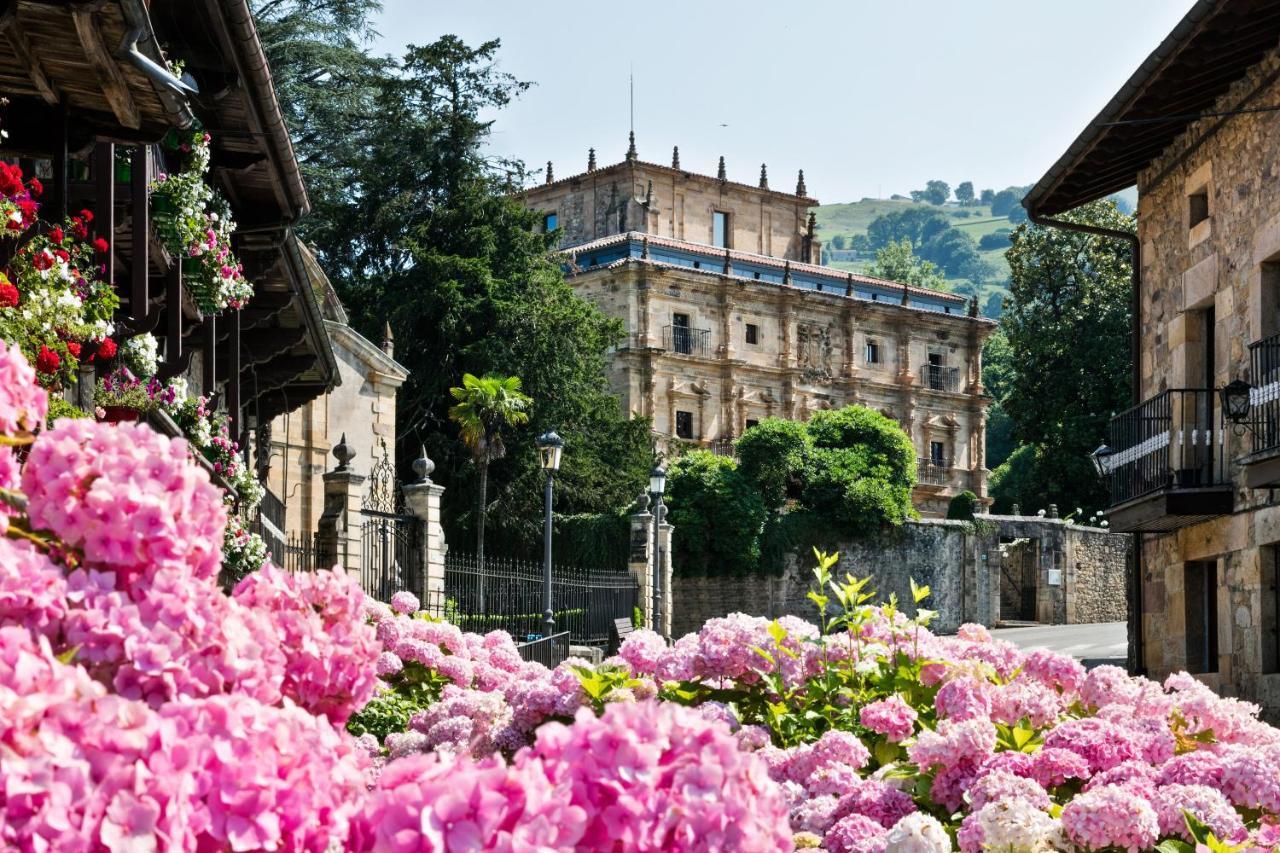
(869, 98)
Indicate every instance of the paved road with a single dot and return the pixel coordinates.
(1095, 644)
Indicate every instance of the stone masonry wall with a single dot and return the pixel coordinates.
(960, 562)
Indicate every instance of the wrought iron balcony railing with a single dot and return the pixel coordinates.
(1264, 411)
(937, 377)
(1172, 441)
(934, 472)
(686, 341)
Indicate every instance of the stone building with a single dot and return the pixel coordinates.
(1195, 129)
(730, 319)
(295, 449)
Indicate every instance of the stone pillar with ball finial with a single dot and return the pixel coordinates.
(639, 561)
(338, 531)
(422, 501)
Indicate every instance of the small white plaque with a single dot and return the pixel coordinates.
(1055, 577)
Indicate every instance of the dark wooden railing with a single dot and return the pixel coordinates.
(1171, 441)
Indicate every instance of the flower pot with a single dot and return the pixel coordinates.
(192, 267)
(124, 171)
(120, 414)
(161, 205)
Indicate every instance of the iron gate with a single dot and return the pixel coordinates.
(391, 541)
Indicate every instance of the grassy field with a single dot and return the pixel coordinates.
(854, 218)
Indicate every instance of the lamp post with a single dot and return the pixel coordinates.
(550, 446)
(1236, 403)
(1101, 459)
(657, 485)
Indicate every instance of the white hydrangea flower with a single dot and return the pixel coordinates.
(1018, 827)
(917, 833)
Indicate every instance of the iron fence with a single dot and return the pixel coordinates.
(1264, 411)
(548, 651)
(935, 472)
(686, 341)
(390, 554)
(1173, 440)
(937, 377)
(585, 601)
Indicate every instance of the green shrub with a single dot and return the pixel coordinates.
(772, 456)
(961, 507)
(59, 408)
(717, 514)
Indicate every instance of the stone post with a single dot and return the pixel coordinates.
(338, 532)
(422, 501)
(638, 560)
(664, 554)
(86, 384)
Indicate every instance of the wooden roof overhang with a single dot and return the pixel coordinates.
(1211, 47)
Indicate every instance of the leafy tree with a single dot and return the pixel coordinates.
(964, 192)
(917, 224)
(1018, 215)
(773, 455)
(862, 470)
(1004, 201)
(937, 192)
(994, 306)
(961, 507)
(859, 243)
(952, 250)
(997, 376)
(998, 239)
(837, 242)
(1018, 480)
(919, 196)
(487, 405)
(1067, 320)
(896, 262)
(988, 196)
(716, 513)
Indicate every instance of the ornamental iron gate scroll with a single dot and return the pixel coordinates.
(391, 540)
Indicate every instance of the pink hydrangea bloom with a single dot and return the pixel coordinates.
(1110, 816)
(855, 833)
(891, 717)
(128, 497)
(953, 743)
(24, 405)
(404, 602)
(878, 801)
(1002, 785)
(1053, 766)
(33, 591)
(1057, 671)
(1210, 807)
(964, 699)
(1102, 743)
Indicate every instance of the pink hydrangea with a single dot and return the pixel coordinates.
(404, 602)
(855, 833)
(330, 651)
(1250, 779)
(964, 699)
(129, 498)
(1002, 785)
(880, 802)
(953, 743)
(891, 717)
(24, 405)
(1053, 670)
(1210, 807)
(1102, 743)
(1053, 766)
(464, 720)
(642, 651)
(1110, 816)
(1104, 685)
(33, 591)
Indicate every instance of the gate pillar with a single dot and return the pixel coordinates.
(638, 561)
(665, 532)
(338, 531)
(422, 501)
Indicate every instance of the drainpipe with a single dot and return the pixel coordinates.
(1135, 248)
(172, 91)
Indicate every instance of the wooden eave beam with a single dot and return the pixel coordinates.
(114, 86)
(20, 44)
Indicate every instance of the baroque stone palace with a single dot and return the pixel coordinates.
(730, 319)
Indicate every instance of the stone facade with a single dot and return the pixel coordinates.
(719, 337)
(1209, 224)
(361, 406)
(1077, 574)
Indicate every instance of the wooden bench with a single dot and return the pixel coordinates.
(621, 628)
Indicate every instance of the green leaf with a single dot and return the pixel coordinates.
(69, 655)
(886, 752)
(1174, 845)
(918, 593)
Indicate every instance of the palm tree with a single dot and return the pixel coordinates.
(485, 405)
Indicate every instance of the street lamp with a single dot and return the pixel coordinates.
(1101, 459)
(1236, 403)
(657, 485)
(550, 447)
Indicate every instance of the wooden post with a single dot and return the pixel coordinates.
(60, 165)
(140, 216)
(233, 376)
(208, 360)
(104, 214)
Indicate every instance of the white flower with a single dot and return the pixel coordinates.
(1017, 826)
(917, 833)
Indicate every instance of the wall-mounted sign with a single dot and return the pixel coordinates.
(1055, 577)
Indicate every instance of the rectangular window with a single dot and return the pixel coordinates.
(752, 422)
(873, 352)
(1270, 557)
(937, 455)
(753, 333)
(681, 337)
(684, 424)
(550, 222)
(1200, 592)
(720, 229)
(1197, 207)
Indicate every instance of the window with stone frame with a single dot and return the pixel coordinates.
(684, 424)
(753, 334)
(873, 351)
(750, 422)
(720, 235)
(938, 454)
(1200, 597)
(1197, 207)
(550, 222)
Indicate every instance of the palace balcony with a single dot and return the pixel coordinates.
(1262, 466)
(683, 340)
(1167, 466)
(933, 472)
(937, 377)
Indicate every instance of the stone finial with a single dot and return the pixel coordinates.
(973, 307)
(423, 466)
(644, 249)
(1015, 510)
(848, 285)
(631, 147)
(906, 292)
(813, 223)
(551, 175)
(591, 159)
(800, 187)
(786, 273)
(388, 340)
(764, 177)
(675, 156)
(720, 173)
(1053, 510)
(343, 453)
(728, 263)
(642, 503)
(648, 195)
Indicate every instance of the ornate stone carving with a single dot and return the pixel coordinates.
(814, 352)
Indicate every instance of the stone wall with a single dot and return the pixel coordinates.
(961, 563)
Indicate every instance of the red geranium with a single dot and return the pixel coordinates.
(35, 187)
(28, 208)
(86, 215)
(55, 234)
(78, 228)
(101, 245)
(48, 361)
(8, 293)
(42, 260)
(62, 254)
(10, 180)
(107, 349)
(73, 348)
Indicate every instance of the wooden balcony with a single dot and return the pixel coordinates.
(1167, 468)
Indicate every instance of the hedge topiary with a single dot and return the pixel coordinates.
(717, 513)
(962, 506)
